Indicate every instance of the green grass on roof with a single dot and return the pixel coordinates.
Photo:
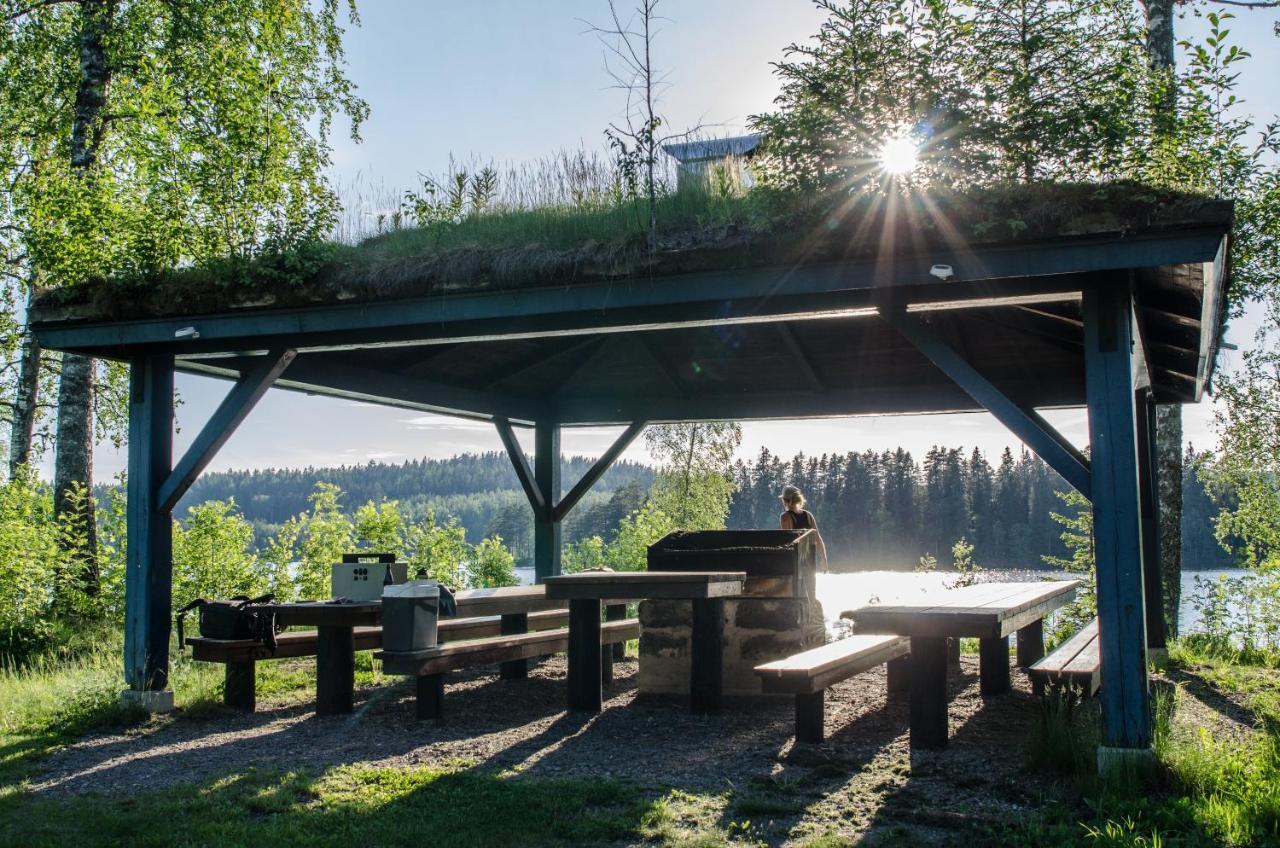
(562, 245)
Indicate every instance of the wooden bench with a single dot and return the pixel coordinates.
(241, 655)
(808, 674)
(431, 665)
(1074, 667)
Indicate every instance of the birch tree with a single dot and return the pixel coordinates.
(141, 135)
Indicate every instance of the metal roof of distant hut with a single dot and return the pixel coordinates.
(703, 150)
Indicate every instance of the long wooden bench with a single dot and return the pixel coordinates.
(431, 665)
(1074, 667)
(241, 655)
(808, 674)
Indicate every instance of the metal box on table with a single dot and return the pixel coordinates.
(409, 614)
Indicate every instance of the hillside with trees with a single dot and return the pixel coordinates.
(884, 509)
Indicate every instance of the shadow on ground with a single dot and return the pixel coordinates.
(641, 769)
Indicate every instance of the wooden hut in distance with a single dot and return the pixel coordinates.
(697, 161)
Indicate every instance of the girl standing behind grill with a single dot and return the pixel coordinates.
(796, 517)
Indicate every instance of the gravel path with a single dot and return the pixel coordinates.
(864, 777)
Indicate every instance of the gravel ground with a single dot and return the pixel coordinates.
(863, 778)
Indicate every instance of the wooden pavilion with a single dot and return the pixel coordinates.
(1110, 310)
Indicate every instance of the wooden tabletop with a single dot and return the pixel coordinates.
(326, 613)
(984, 611)
(504, 601)
(615, 585)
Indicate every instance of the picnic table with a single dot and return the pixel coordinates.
(335, 623)
(585, 593)
(988, 612)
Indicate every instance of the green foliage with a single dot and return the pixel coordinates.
(277, 559)
(962, 561)
(695, 481)
(325, 533)
(30, 565)
(213, 555)
(1248, 418)
(380, 527)
(988, 92)
(1077, 535)
(1239, 615)
(438, 551)
(491, 565)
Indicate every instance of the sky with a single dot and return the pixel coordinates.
(511, 81)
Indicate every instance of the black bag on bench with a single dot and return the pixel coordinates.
(237, 618)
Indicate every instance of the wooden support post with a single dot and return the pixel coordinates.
(617, 612)
(335, 670)
(430, 698)
(1152, 574)
(993, 666)
(1030, 643)
(928, 692)
(953, 652)
(898, 673)
(706, 655)
(811, 716)
(149, 566)
(239, 686)
(546, 529)
(510, 624)
(1117, 531)
(584, 655)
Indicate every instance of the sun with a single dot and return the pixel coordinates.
(899, 155)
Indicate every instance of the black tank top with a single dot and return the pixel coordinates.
(801, 520)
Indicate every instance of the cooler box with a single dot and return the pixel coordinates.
(361, 577)
(409, 613)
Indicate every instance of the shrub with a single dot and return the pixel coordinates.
(492, 565)
(30, 564)
(213, 555)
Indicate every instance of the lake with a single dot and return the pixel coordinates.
(847, 590)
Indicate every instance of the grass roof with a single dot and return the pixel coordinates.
(697, 232)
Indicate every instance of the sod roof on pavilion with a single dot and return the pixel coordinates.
(755, 232)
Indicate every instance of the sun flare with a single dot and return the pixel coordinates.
(898, 155)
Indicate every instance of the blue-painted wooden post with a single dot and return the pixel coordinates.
(1152, 578)
(546, 527)
(149, 565)
(1117, 519)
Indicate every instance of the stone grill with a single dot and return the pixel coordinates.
(777, 615)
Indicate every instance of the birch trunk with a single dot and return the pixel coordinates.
(74, 458)
(1169, 491)
(1160, 53)
(26, 396)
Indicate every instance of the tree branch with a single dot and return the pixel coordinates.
(41, 4)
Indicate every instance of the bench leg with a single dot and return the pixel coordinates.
(430, 700)
(899, 675)
(706, 655)
(609, 653)
(238, 688)
(509, 625)
(811, 717)
(584, 655)
(617, 612)
(928, 692)
(335, 670)
(1030, 642)
(953, 652)
(993, 658)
